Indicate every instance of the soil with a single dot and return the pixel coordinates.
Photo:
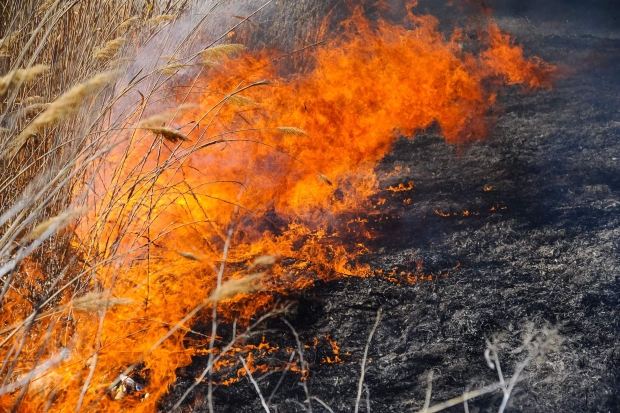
(541, 245)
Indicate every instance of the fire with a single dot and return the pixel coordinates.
(278, 165)
(401, 187)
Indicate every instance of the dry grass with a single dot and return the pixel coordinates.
(169, 134)
(17, 77)
(292, 131)
(212, 54)
(110, 49)
(63, 107)
(172, 68)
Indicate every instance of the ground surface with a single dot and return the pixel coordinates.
(551, 256)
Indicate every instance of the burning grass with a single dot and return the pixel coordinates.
(175, 225)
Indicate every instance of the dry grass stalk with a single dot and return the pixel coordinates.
(231, 288)
(292, 131)
(56, 223)
(110, 49)
(66, 105)
(19, 76)
(162, 18)
(171, 68)
(169, 58)
(97, 301)
(169, 134)
(221, 51)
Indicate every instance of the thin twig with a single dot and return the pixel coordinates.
(304, 368)
(363, 372)
(288, 366)
(249, 373)
(429, 392)
(466, 396)
(322, 403)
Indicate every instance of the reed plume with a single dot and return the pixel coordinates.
(56, 223)
(162, 18)
(97, 301)
(169, 134)
(171, 68)
(63, 107)
(7, 41)
(127, 23)
(220, 51)
(239, 100)
(19, 76)
(110, 49)
(292, 131)
(232, 288)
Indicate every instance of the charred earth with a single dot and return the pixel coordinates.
(526, 226)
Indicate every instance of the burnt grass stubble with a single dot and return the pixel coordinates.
(553, 160)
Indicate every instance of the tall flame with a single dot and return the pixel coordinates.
(285, 166)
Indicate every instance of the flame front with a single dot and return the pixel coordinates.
(284, 163)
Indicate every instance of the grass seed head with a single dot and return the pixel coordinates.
(188, 255)
(66, 105)
(221, 51)
(231, 288)
(128, 22)
(45, 5)
(97, 301)
(239, 100)
(32, 100)
(325, 179)
(292, 131)
(169, 134)
(15, 77)
(6, 43)
(110, 49)
(162, 18)
(171, 68)
(263, 260)
(56, 223)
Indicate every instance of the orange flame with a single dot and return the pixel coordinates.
(283, 162)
